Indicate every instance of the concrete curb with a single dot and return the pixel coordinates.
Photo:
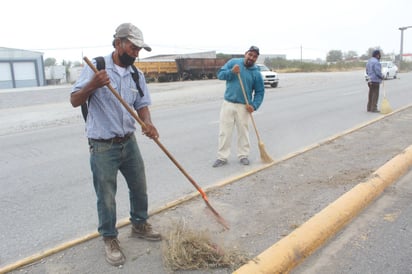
(287, 253)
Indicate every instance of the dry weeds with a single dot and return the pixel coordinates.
(185, 249)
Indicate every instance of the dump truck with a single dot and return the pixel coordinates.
(199, 68)
(159, 71)
(180, 69)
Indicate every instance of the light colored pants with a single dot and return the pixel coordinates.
(233, 115)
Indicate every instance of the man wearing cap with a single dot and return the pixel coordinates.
(235, 111)
(112, 143)
(375, 76)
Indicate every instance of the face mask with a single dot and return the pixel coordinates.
(126, 59)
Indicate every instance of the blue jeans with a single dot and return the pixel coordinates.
(106, 159)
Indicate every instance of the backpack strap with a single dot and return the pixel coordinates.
(100, 64)
(135, 76)
(84, 111)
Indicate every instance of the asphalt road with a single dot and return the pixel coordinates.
(47, 197)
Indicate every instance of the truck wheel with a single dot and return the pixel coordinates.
(274, 85)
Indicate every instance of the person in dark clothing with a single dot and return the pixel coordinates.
(375, 77)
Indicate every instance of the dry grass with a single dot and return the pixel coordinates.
(188, 250)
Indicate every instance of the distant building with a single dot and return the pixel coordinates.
(208, 54)
(55, 74)
(172, 57)
(21, 68)
(407, 57)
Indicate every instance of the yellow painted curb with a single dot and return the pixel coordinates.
(303, 241)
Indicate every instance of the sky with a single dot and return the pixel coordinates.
(70, 30)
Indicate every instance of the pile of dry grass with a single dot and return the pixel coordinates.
(188, 250)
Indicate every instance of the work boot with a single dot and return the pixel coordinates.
(114, 254)
(244, 161)
(219, 163)
(145, 231)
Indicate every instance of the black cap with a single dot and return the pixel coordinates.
(376, 52)
(255, 49)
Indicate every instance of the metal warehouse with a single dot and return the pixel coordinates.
(21, 68)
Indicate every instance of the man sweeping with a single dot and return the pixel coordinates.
(235, 110)
(112, 143)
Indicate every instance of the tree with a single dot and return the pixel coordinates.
(334, 56)
(49, 62)
(350, 55)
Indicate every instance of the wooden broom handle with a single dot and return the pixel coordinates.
(244, 95)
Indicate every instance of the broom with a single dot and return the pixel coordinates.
(263, 154)
(385, 106)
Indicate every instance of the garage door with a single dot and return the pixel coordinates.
(6, 80)
(25, 74)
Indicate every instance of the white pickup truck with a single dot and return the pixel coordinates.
(269, 77)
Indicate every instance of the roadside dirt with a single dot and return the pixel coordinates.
(260, 208)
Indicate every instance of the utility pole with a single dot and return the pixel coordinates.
(401, 51)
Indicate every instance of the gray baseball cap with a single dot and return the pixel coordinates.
(133, 34)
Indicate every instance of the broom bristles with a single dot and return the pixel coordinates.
(385, 106)
(263, 154)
